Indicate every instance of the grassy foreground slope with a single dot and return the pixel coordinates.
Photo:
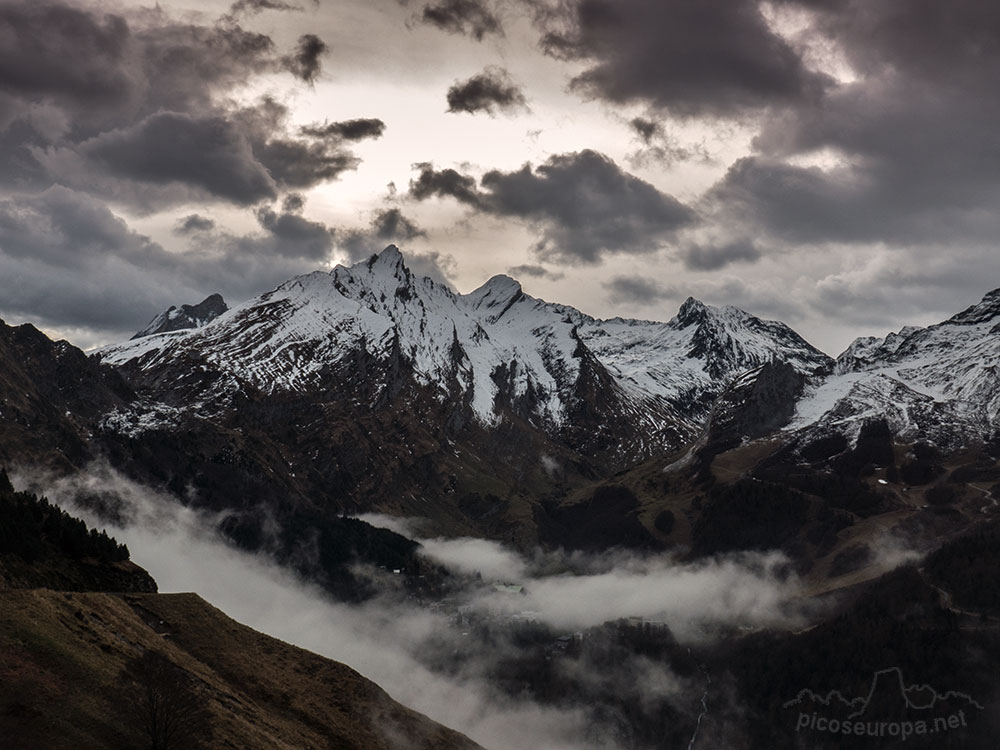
(62, 656)
(75, 662)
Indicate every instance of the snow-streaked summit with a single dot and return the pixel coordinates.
(495, 297)
(185, 316)
(934, 381)
(495, 348)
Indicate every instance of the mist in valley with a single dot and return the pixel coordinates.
(550, 650)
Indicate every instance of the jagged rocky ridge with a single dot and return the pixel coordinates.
(494, 354)
(185, 316)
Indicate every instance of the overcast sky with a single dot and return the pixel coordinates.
(831, 163)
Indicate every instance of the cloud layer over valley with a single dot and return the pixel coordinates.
(402, 643)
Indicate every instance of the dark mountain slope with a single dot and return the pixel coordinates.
(63, 687)
(185, 316)
(51, 397)
(69, 661)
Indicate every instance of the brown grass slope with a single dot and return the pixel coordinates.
(61, 685)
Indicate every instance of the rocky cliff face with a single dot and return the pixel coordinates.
(51, 398)
(185, 316)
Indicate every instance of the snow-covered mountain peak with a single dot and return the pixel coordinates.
(692, 312)
(387, 269)
(386, 286)
(935, 381)
(494, 297)
(391, 260)
(497, 287)
(859, 350)
(494, 350)
(726, 341)
(985, 310)
(185, 316)
(728, 321)
(383, 271)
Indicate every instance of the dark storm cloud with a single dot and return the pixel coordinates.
(19, 167)
(301, 164)
(800, 204)
(391, 224)
(66, 260)
(348, 130)
(293, 203)
(318, 153)
(489, 91)
(60, 226)
(582, 204)
(646, 129)
(690, 57)
(929, 286)
(185, 66)
(586, 206)
(443, 183)
(321, 153)
(194, 223)
(207, 153)
(244, 156)
(926, 39)
(911, 143)
(292, 235)
(440, 267)
(387, 226)
(52, 50)
(711, 257)
(661, 147)
(305, 62)
(102, 70)
(134, 108)
(640, 290)
(881, 200)
(471, 17)
(252, 7)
